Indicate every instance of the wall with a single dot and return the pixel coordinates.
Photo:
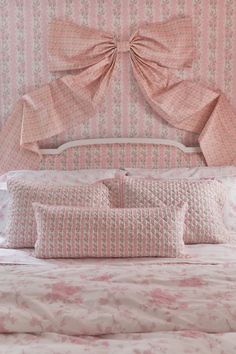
(124, 112)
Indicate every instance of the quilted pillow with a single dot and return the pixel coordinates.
(45, 176)
(225, 174)
(70, 232)
(205, 200)
(21, 225)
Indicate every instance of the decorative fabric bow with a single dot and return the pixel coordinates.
(91, 56)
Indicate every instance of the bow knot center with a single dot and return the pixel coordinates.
(123, 46)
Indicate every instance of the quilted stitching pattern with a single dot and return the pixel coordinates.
(21, 227)
(73, 232)
(115, 186)
(205, 200)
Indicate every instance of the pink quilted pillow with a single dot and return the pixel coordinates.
(205, 200)
(70, 232)
(21, 225)
(225, 174)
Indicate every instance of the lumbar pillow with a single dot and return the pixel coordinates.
(72, 232)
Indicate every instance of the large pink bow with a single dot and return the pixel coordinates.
(153, 50)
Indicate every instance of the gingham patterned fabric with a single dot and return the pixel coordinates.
(153, 50)
(69, 232)
(21, 226)
(87, 176)
(205, 200)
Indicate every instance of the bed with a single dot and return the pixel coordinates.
(120, 305)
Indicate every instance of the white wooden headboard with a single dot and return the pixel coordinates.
(105, 141)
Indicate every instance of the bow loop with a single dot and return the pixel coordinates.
(72, 47)
(168, 44)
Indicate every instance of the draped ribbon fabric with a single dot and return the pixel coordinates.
(91, 55)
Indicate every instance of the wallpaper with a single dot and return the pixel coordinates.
(124, 112)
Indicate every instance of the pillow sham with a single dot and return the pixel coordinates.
(70, 232)
(205, 200)
(4, 206)
(21, 225)
(87, 176)
(54, 176)
(225, 174)
(184, 172)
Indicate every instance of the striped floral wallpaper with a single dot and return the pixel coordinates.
(124, 112)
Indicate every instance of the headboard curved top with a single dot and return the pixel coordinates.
(106, 141)
(121, 153)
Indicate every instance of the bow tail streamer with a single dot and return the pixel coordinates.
(12, 157)
(50, 110)
(191, 106)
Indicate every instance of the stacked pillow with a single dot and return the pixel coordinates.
(117, 217)
(140, 232)
(21, 227)
(48, 176)
(204, 199)
(225, 174)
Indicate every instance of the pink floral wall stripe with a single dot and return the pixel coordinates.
(124, 112)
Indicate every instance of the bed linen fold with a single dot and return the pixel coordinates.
(148, 343)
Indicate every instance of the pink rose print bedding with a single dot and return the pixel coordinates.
(136, 306)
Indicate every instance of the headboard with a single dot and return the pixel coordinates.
(121, 153)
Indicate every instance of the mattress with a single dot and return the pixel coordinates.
(135, 306)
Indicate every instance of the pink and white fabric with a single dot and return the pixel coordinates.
(225, 174)
(155, 305)
(21, 224)
(87, 176)
(69, 232)
(193, 342)
(205, 200)
(46, 176)
(153, 50)
(189, 173)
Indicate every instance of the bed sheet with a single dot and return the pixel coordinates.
(199, 253)
(139, 306)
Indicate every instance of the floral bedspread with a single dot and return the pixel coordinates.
(139, 306)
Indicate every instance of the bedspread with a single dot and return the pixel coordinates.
(141, 306)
